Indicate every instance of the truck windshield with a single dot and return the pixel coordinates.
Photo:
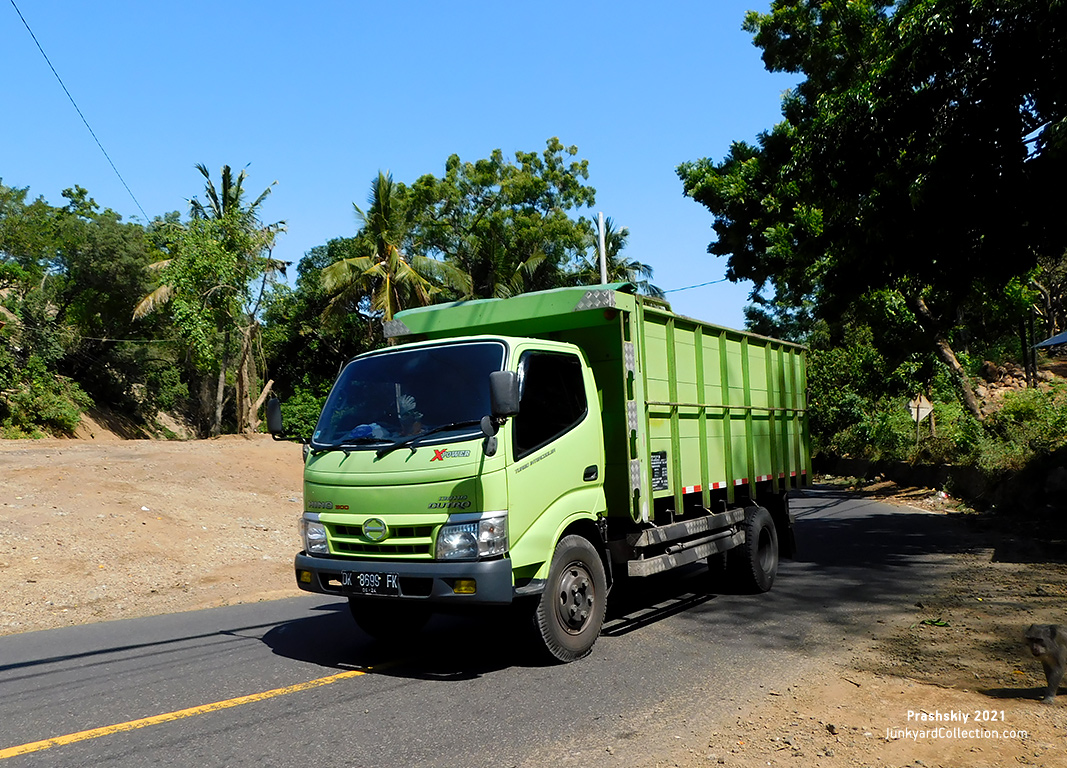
(389, 396)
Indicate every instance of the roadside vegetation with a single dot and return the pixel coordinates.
(904, 220)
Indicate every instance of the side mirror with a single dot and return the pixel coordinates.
(503, 394)
(274, 417)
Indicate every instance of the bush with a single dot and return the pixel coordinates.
(40, 402)
(1030, 424)
(301, 411)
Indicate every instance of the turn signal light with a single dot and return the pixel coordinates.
(465, 587)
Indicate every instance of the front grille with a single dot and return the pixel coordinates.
(406, 540)
(395, 532)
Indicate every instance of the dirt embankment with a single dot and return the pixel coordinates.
(102, 528)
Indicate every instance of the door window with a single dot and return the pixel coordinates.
(551, 400)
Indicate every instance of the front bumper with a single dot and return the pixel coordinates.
(427, 582)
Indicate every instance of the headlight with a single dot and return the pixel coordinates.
(468, 537)
(314, 535)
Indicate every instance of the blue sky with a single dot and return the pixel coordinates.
(321, 95)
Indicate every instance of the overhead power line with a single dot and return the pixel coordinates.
(78, 110)
(698, 285)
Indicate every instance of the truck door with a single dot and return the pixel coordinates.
(556, 466)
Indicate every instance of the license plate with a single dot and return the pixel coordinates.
(360, 583)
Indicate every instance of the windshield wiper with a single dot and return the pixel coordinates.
(344, 444)
(409, 442)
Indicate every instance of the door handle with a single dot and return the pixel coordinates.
(592, 472)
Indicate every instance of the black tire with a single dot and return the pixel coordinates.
(754, 564)
(388, 621)
(718, 572)
(571, 610)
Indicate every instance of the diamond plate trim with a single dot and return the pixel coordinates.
(598, 299)
(395, 328)
(635, 475)
(631, 415)
(629, 358)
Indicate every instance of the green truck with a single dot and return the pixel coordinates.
(537, 450)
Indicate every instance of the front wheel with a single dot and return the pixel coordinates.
(571, 610)
(754, 564)
(388, 621)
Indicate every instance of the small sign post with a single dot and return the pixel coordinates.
(920, 408)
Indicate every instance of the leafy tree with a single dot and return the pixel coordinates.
(505, 224)
(26, 236)
(780, 320)
(302, 351)
(918, 157)
(1049, 282)
(37, 289)
(215, 281)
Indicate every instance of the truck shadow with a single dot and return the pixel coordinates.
(859, 561)
(450, 647)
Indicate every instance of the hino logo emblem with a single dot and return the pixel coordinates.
(375, 529)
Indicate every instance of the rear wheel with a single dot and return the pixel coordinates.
(571, 610)
(718, 572)
(754, 564)
(386, 620)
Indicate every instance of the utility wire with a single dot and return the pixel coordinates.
(91, 131)
(698, 285)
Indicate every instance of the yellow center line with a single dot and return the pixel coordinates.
(131, 725)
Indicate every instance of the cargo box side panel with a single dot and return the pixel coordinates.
(760, 414)
(691, 445)
(715, 396)
(736, 374)
(724, 411)
(658, 410)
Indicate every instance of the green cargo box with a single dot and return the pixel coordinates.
(695, 416)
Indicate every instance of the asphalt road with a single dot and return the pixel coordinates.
(296, 683)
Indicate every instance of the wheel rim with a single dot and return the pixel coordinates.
(576, 599)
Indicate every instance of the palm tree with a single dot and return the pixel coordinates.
(620, 269)
(242, 246)
(230, 201)
(383, 272)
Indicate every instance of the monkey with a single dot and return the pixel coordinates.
(1048, 643)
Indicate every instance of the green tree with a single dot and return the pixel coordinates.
(302, 351)
(918, 156)
(381, 265)
(505, 224)
(33, 395)
(215, 281)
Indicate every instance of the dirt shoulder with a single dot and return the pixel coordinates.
(947, 683)
(100, 529)
(96, 530)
